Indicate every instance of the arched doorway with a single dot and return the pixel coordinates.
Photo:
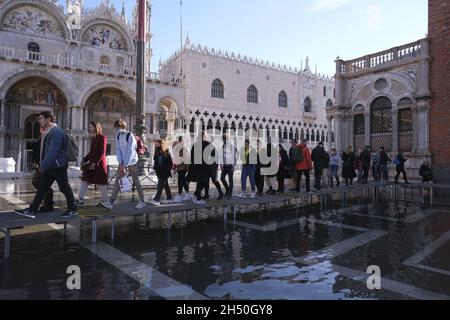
(107, 105)
(23, 101)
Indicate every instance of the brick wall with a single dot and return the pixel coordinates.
(439, 34)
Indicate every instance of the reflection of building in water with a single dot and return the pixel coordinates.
(79, 64)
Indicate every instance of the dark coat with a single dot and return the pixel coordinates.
(199, 171)
(365, 157)
(401, 166)
(97, 155)
(320, 158)
(163, 169)
(348, 165)
(384, 158)
(284, 167)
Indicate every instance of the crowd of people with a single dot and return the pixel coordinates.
(270, 164)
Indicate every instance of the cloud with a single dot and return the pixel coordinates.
(328, 5)
(373, 17)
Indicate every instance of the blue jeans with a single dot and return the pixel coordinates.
(248, 170)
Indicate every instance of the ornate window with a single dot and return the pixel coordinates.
(329, 103)
(359, 130)
(324, 91)
(217, 89)
(252, 94)
(33, 51)
(308, 104)
(282, 100)
(381, 124)
(405, 130)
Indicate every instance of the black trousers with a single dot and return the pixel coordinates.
(280, 179)
(259, 181)
(48, 198)
(60, 176)
(182, 182)
(213, 177)
(318, 178)
(202, 181)
(299, 180)
(163, 184)
(366, 170)
(228, 170)
(398, 175)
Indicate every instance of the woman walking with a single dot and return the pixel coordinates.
(283, 168)
(94, 165)
(163, 167)
(181, 156)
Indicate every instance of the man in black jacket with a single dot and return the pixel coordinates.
(320, 159)
(365, 157)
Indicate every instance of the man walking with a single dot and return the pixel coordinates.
(127, 156)
(321, 161)
(53, 166)
(384, 160)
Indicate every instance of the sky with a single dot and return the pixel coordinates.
(286, 31)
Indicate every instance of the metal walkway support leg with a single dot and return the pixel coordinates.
(113, 229)
(94, 231)
(7, 234)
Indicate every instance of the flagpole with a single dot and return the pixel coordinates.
(181, 36)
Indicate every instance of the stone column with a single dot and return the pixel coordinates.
(395, 146)
(329, 131)
(2, 113)
(367, 141)
(421, 131)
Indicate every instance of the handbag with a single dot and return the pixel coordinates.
(125, 184)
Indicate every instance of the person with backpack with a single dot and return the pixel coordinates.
(302, 158)
(163, 167)
(95, 163)
(376, 167)
(127, 156)
(54, 163)
(399, 162)
(321, 161)
(365, 158)
(181, 153)
(334, 167)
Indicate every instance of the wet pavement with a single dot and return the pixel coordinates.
(289, 254)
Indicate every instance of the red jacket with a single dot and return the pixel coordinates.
(306, 164)
(97, 155)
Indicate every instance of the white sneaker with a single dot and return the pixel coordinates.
(106, 204)
(140, 205)
(241, 195)
(252, 195)
(179, 199)
(200, 202)
(155, 203)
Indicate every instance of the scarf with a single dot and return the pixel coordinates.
(44, 136)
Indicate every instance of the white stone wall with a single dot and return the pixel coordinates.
(202, 67)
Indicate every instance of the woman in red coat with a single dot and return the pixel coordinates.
(94, 165)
